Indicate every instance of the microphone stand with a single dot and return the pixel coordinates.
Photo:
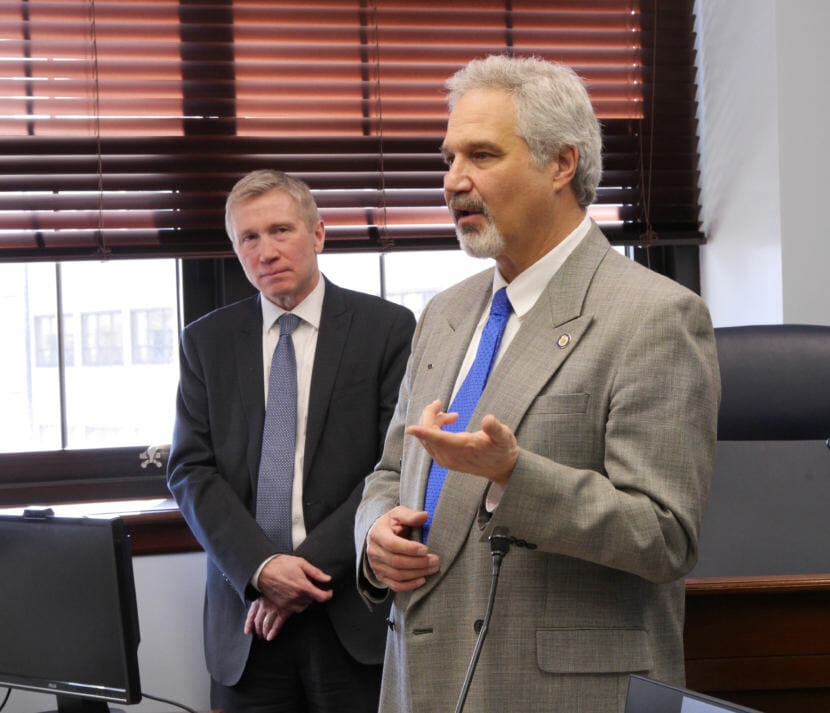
(499, 546)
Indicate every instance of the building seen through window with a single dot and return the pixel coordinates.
(152, 333)
(46, 340)
(113, 385)
(102, 338)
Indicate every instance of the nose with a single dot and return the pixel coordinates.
(456, 179)
(268, 249)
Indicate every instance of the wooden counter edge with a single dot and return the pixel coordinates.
(764, 584)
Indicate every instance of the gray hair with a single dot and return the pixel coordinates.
(262, 181)
(553, 110)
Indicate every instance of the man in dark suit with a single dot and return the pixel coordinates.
(284, 627)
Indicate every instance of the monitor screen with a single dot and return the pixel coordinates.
(68, 616)
(648, 696)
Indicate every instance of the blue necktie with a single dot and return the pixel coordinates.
(468, 395)
(276, 462)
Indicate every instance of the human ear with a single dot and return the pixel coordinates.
(319, 236)
(564, 167)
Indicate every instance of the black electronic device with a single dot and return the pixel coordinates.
(648, 696)
(68, 615)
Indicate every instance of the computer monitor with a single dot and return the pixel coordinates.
(648, 696)
(68, 616)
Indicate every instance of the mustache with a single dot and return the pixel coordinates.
(469, 205)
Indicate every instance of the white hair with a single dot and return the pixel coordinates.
(256, 183)
(553, 110)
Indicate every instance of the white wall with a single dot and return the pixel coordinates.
(763, 108)
(169, 591)
(802, 27)
(740, 203)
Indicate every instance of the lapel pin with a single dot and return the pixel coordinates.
(563, 341)
(429, 366)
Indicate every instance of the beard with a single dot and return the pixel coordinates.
(475, 241)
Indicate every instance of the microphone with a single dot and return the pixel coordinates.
(499, 544)
(500, 541)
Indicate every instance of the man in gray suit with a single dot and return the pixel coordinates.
(593, 439)
(285, 630)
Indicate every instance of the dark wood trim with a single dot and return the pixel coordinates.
(160, 531)
(703, 586)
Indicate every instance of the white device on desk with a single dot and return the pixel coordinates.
(648, 696)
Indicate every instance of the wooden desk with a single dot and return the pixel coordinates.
(763, 642)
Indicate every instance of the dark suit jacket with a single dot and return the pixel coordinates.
(362, 348)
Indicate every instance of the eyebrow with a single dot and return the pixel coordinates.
(471, 146)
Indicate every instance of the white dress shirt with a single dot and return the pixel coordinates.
(305, 346)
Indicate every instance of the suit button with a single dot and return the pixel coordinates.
(477, 625)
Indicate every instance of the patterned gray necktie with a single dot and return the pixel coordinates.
(276, 462)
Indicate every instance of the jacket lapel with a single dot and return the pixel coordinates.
(437, 369)
(335, 320)
(547, 336)
(247, 345)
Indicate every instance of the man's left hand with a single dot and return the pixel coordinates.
(490, 453)
(265, 619)
(290, 583)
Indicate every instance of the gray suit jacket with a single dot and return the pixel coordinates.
(611, 386)
(362, 347)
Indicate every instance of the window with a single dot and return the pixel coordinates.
(103, 399)
(123, 124)
(29, 374)
(407, 278)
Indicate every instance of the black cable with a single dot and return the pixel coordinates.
(6, 699)
(165, 700)
(500, 542)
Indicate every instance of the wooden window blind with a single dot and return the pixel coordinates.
(123, 124)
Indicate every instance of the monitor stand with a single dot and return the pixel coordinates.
(73, 704)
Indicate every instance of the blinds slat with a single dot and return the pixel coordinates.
(183, 98)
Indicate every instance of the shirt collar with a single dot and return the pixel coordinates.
(528, 285)
(309, 310)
